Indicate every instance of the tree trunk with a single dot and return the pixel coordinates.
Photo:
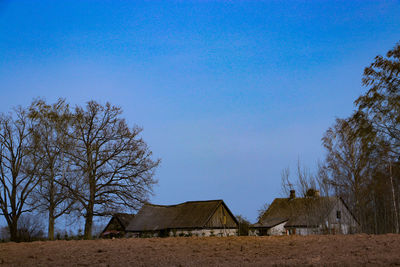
(88, 225)
(13, 228)
(90, 208)
(396, 217)
(50, 232)
(13, 225)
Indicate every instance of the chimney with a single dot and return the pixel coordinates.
(312, 193)
(292, 194)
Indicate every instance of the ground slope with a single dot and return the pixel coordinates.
(336, 250)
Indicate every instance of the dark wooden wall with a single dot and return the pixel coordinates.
(218, 221)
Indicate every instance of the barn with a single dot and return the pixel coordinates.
(312, 214)
(116, 227)
(198, 218)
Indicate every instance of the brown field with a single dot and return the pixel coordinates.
(352, 250)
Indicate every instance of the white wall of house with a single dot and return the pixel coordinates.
(254, 232)
(205, 232)
(194, 232)
(305, 231)
(277, 229)
(281, 230)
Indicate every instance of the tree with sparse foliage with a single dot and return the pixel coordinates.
(262, 210)
(112, 165)
(244, 225)
(381, 106)
(50, 126)
(349, 161)
(381, 103)
(304, 181)
(18, 164)
(30, 227)
(363, 151)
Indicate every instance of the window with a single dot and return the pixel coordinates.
(338, 214)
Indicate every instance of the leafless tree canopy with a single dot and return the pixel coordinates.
(18, 164)
(111, 164)
(57, 161)
(303, 180)
(50, 127)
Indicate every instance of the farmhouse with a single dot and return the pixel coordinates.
(116, 227)
(200, 218)
(312, 214)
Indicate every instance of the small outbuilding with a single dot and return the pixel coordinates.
(312, 214)
(198, 218)
(117, 225)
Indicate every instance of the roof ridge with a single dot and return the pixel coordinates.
(192, 201)
(211, 200)
(330, 197)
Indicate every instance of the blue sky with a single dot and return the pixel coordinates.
(229, 93)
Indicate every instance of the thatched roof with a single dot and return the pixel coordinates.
(188, 215)
(124, 218)
(302, 212)
(117, 223)
(270, 222)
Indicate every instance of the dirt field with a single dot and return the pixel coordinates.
(209, 251)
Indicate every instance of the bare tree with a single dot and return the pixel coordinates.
(30, 227)
(350, 163)
(18, 163)
(322, 180)
(305, 180)
(112, 164)
(262, 210)
(286, 184)
(244, 225)
(4, 233)
(50, 127)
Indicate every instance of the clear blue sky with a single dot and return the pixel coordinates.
(228, 92)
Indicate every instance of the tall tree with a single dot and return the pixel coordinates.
(50, 126)
(112, 164)
(18, 163)
(350, 162)
(381, 103)
(381, 106)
